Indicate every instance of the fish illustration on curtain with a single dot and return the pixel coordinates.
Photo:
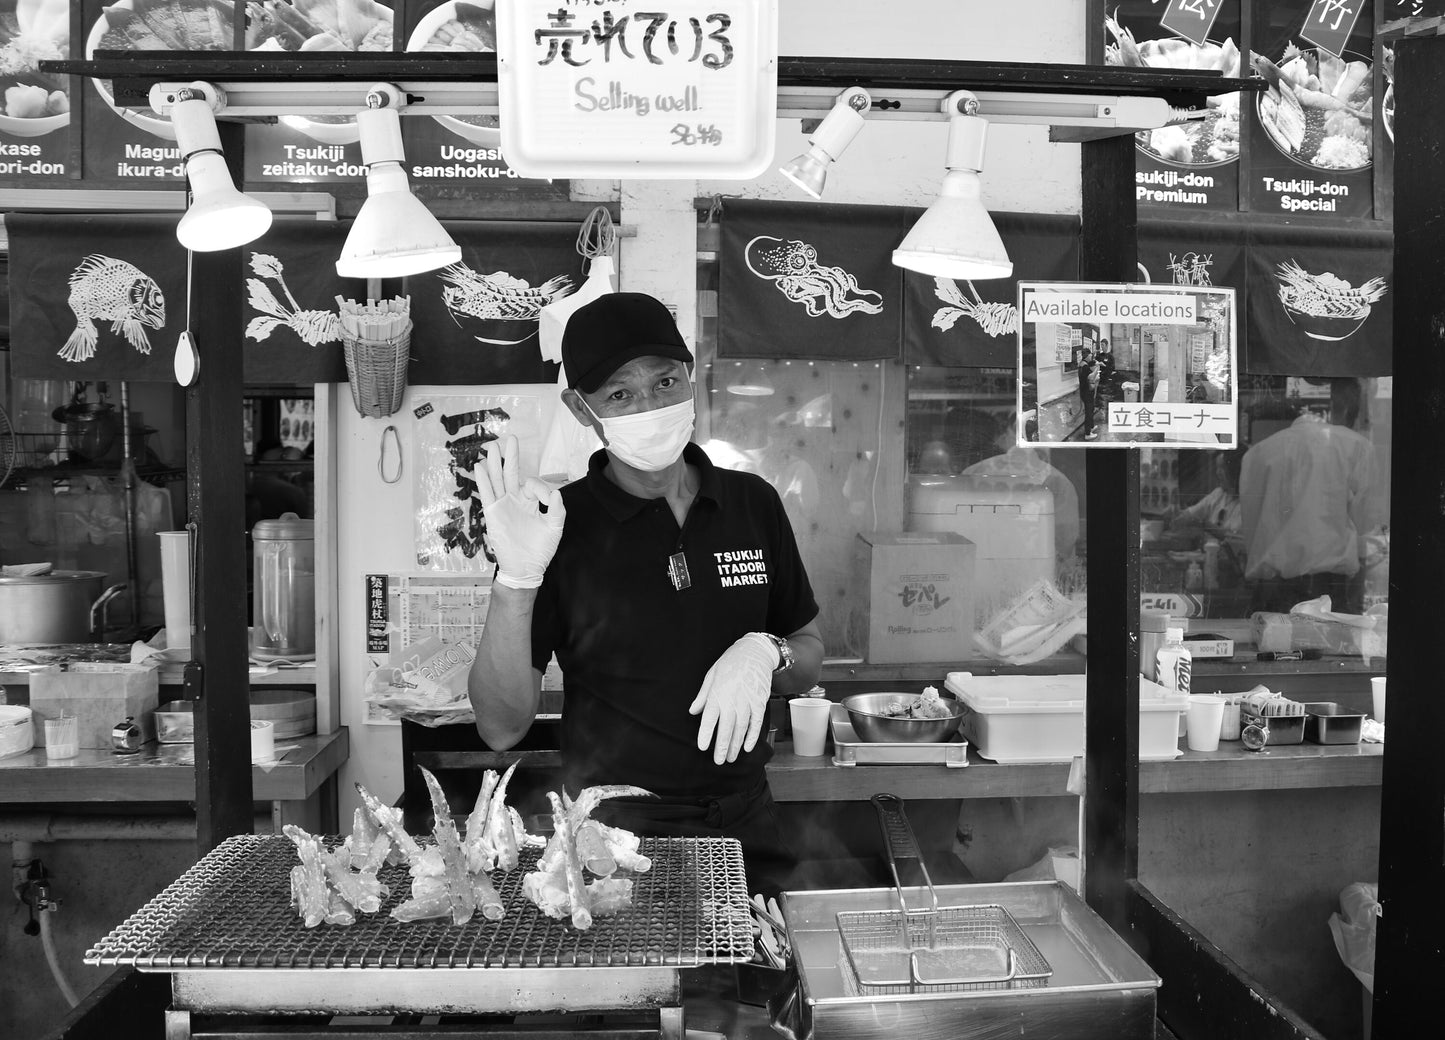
(507, 308)
(995, 319)
(794, 269)
(312, 327)
(103, 288)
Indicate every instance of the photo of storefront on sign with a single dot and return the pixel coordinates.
(1110, 365)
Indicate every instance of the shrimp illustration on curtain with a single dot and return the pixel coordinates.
(505, 307)
(794, 269)
(103, 288)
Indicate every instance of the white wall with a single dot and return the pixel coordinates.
(891, 163)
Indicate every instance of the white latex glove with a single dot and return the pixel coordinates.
(734, 697)
(523, 537)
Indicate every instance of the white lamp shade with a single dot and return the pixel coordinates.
(808, 171)
(955, 237)
(394, 234)
(219, 216)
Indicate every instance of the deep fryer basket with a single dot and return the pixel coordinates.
(943, 949)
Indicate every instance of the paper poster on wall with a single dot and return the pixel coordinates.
(1151, 364)
(421, 634)
(452, 436)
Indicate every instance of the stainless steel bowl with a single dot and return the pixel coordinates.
(865, 711)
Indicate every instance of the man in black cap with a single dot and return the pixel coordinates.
(672, 593)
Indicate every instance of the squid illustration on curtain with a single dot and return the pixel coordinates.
(794, 269)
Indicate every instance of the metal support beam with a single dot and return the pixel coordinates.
(1111, 720)
(1409, 950)
(216, 506)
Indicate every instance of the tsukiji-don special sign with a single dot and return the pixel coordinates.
(637, 88)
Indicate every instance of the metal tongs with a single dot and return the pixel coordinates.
(772, 932)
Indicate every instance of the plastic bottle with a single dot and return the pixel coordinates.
(1152, 626)
(1174, 662)
(1211, 563)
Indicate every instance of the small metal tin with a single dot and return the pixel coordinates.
(126, 738)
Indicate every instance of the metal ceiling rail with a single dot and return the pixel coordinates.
(264, 85)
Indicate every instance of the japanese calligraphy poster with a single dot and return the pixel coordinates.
(452, 436)
(1311, 138)
(1153, 364)
(1190, 166)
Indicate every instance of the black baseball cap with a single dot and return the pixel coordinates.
(612, 330)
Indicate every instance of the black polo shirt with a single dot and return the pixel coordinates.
(634, 649)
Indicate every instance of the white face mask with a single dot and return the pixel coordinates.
(648, 441)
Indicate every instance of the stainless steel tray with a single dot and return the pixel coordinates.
(851, 750)
(1099, 984)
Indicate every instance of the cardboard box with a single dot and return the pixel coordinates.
(100, 695)
(913, 597)
(1209, 648)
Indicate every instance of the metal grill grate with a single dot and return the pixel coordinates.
(232, 909)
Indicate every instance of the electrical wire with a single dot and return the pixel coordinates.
(48, 942)
(878, 451)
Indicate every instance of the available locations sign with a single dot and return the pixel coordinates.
(1113, 365)
(636, 88)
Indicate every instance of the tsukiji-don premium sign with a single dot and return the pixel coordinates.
(637, 88)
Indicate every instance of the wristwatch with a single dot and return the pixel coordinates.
(785, 652)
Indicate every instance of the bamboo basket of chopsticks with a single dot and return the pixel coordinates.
(376, 339)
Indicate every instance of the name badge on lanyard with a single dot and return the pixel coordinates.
(677, 571)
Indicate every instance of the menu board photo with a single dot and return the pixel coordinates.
(1194, 165)
(35, 116)
(1311, 138)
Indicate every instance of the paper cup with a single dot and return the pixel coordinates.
(1377, 692)
(176, 587)
(62, 737)
(263, 740)
(1206, 716)
(809, 716)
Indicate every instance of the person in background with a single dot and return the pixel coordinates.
(1088, 384)
(1306, 507)
(1104, 359)
(1218, 514)
(671, 591)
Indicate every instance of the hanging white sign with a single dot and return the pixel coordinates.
(1155, 364)
(637, 88)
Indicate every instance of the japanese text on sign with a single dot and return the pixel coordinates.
(1191, 19)
(1171, 417)
(578, 43)
(1330, 22)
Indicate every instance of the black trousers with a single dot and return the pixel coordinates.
(751, 817)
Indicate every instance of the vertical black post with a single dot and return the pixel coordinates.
(1108, 253)
(216, 504)
(1408, 951)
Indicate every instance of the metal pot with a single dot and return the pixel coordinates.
(59, 607)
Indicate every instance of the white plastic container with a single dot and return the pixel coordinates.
(17, 730)
(1040, 718)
